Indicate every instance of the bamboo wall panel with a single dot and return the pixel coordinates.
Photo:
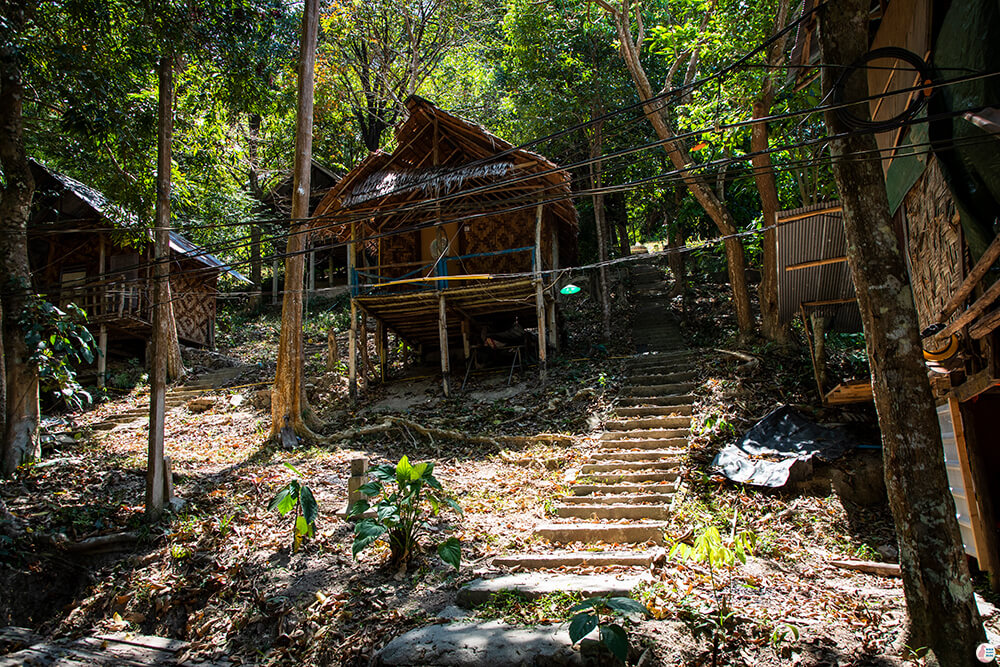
(934, 244)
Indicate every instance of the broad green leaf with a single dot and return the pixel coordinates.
(452, 504)
(358, 508)
(371, 489)
(283, 501)
(626, 606)
(366, 531)
(616, 639)
(586, 604)
(310, 509)
(293, 469)
(580, 626)
(403, 469)
(451, 551)
(301, 526)
(417, 471)
(385, 473)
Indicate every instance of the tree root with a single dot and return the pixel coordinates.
(390, 423)
(749, 364)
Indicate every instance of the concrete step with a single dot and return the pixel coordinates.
(646, 434)
(582, 489)
(619, 499)
(684, 400)
(677, 444)
(612, 512)
(632, 477)
(533, 586)
(666, 378)
(640, 455)
(573, 559)
(588, 469)
(616, 533)
(659, 390)
(647, 423)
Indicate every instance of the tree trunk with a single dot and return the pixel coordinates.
(939, 597)
(175, 362)
(595, 137)
(763, 169)
(258, 192)
(162, 313)
(696, 184)
(287, 397)
(19, 437)
(675, 259)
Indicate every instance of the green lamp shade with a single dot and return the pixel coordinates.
(569, 289)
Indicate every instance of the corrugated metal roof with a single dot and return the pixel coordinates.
(808, 239)
(184, 247)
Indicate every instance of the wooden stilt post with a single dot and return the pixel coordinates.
(540, 300)
(466, 347)
(312, 274)
(274, 280)
(364, 362)
(332, 353)
(352, 354)
(102, 358)
(381, 346)
(443, 341)
(554, 290)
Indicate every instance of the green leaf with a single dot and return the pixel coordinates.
(452, 504)
(451, 551)
(616, 639)
(385, 473)
(283, 501)
(310, 508)
(358, 508)
(417, 471)
(293, 469)
(403, 469)
(302, 527)
(586, 604)
(626, 606)
(366, 532)
(371, 489)
(581, 626)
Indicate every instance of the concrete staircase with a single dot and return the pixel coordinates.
(623, 492)
(176, 397)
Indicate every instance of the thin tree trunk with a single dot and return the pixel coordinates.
(19, 437)
(258, 193)
(595, 137)
(939, 596)
(696, 184)
(162, 313)
(770, 325)
(175, 362)
(675, 259)
(287, 397)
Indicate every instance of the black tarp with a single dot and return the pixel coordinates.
(780, 448)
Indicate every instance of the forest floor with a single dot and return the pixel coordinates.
(220, 572)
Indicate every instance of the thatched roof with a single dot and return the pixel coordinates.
(441, 154)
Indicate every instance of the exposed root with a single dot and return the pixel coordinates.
(409, 427)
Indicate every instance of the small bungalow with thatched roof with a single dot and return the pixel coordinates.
(85, 249)
(453, 236)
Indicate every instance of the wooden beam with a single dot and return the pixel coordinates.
(443, 343)
(972, 312)
(974, 386)
(975, 275)
(810, 214)
(540, 299)
(828, 302)
(971, 493)
(986, 325)
(816, 262)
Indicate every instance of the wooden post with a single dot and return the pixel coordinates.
(168, 479)
(540, 299)
(359, 477)
(312, 274)
(466, 348)
(443, 342)
(352, 354)
(365, 361)
(554, 290)
(381, 347)
(161, 291)
(274, 280)
(102, 356)
(332, 353)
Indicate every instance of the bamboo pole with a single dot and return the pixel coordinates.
(443, 341)
(540, 299)
(381, 345)
(352, 354)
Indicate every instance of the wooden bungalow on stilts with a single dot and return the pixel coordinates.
(452, 237)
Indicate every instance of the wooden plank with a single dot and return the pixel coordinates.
(850, 392)
(810, 214)
(817, 262)
(443, 342)
(974, 386)
(986, 324)
(827, 302)
(975, 275)
(972, 312)
(971, 493)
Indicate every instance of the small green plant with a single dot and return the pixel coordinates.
(601, 613)
(720, 556)
(298, 498)
(782, 636)
(516, 608)
(402, 511)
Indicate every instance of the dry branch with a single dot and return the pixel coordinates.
(431, 433)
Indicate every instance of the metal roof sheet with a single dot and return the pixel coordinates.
(808, 239)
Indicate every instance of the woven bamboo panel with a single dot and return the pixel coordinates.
(499, 233)
(398, 249)
(193, 297)
(934, 244)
